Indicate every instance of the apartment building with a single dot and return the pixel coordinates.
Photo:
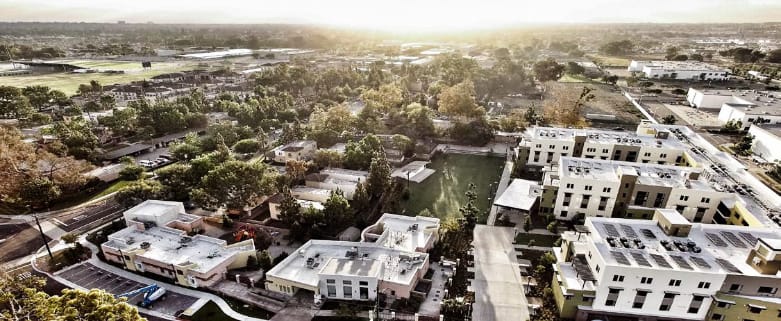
(591, 187)
(667, 269)
(390, 260)
(159, 239)
(542, 148)
(684, 70)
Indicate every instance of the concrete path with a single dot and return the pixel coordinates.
(503, 183)
(498, 286)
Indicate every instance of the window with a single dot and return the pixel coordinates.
(591, 149)
(664, 307)
(551, 146)
(693, 309)
(330, 281)
(716, 317)
(539, 146)
(584, 201)
(364, 283)
(754, 309)
(767, 290)
(663, 155)
(703, 285)
(566, 148)
(604, 151)
(647, 154)
(606, 190)
(722, 304)
(618, 278)
(684, 197)
(589, 187)
(597, 268)
(645, 280)
(570, 185)
(563, 214)
(674, 282)
(348, 292)
(331, 290)
(347, 282)
(735, 287)
(705, 200)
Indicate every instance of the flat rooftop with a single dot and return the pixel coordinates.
(597, 136)
(173, 246)
(682, 65)
(318, 257)
(647, 173)
(723, 249)
(757, 102)
(405, 232)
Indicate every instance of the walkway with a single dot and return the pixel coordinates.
(640, 107)
(497, 285)
(503, 183)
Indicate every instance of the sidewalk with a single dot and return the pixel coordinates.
(503, 183)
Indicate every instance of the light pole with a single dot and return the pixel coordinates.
(43, 238)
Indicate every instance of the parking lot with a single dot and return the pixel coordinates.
(89, 276)
(103, 211)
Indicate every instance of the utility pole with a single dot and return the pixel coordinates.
(43, 238)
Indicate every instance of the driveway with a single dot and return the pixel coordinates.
(497, 285)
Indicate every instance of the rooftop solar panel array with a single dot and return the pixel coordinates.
(727, 265)
(700, 262)
(640, 259)
(750, 238)
(734, 240)
(620, 258)
(661, 261)
(611, 230)
(628, 231)
(681, 262)
(648, 233)
(716, 240)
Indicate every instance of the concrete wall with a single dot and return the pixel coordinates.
(766, 144)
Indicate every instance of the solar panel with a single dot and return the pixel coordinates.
(716, 240)
(629, 231)
(734, 240)
(582, 268)
(648, 233)
(620, 258)
(727, 265)
(750, 238)
(661, 261)
(640, 259)
(611, 230)
(681, 262)
(700, 262)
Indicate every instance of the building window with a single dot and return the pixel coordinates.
(570, 185)
(684, 197)
(705, 200)
(605, 151)
(589, 187)
(331, 291)
(566, 147)
(348, 292)
(703, 285)
(347, 282)
(365, 283)
(329, 281)
(674, 282)
(755, 310)
(722, 304)
(646, 280)
(767, 290)
(716, 317)
(618, 278)
(551, 146)
(597, 269)
(606, 190)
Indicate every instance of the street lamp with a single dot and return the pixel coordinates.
(43, 238)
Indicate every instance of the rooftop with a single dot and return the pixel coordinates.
(348, 258)
(757, 102)
(405, 232)
(601, 137)
(709, 248)
(682, 65)
(520, 194)
(647, 173)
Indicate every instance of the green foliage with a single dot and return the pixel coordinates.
(669, 120)
(264, 260)
(247, 146)
(325, 158)
(39, 192)
(379, 179)
(13, 104)
(185, 151)
(177, 180)
(470, 210)
(475, 133)
(548, 70)
(131, 172)
(774, 56)
(743, 147)
(359, 155)
(77, 136)
(234, 184)
(459, 101)
(617, 48)
(139, 191)
(743, 55)
(573, 68)
(337, 210)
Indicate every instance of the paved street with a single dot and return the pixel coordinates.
(497, 284)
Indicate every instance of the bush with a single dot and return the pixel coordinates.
(131, 173)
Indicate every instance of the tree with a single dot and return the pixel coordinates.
(296, 170)
(671, 53)
(234, 184)
(361, 202)
(77, 135)
(611, 79)
(743, 147)
(527, 224)
(139, 191)
(573, 68)
(385, 98)
(325, 158)
(617, 48)
(418, 121)
(39, 192)
(358, 155)
(122, 122)
(289, 209)
(459, 101)
(548, 70)
(379, 179)
(470, 210)
(669, 120)
(177, 180)
(185, 151)
(131, 173)
(696, 57)
(247, 146)
(476, 133)
(337, 210)
(13, 104)
(743, 55)
(38, 96)
(264, 260)
(774, 56)
(25, 299)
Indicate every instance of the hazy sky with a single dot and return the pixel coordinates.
(426, 15)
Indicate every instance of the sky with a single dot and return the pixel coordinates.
(409, 15)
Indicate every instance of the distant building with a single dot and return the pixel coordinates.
(306, 197)
(334, 179)
(157, 240)
(297, 151)
(767, 143)
(360, 271)
(683, 70)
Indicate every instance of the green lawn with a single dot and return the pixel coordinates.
(539, 239)
(69, 83)
(116, 186)
(442, 193)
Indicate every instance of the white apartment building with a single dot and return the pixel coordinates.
(392, 265)
(767, 143)
(684, 70)
(709, 99)
(590, 187)
(298, 151)
(661, 269)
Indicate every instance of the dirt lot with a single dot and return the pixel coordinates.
(19, 240)
(608, 100)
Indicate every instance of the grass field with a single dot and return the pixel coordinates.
(69, 82)
(443, 192)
